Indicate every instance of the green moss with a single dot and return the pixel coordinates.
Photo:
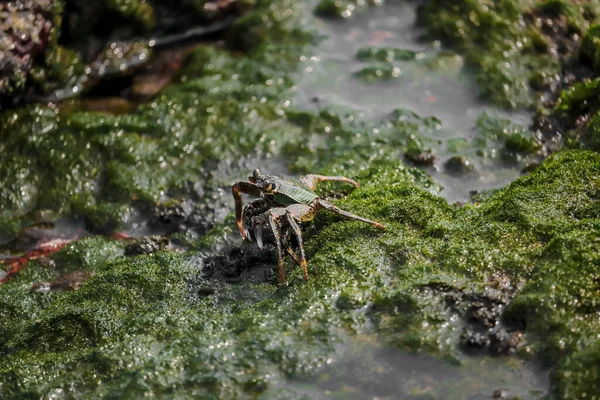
(502, 138)
(9, 228)
(575, 103)
(153, 326)
(268, 24)
(136, 313)
(470, 22)
(592, 136)
(578, 376)
(62, 67)
(85, 19)
(455, 145)
(341, 8)
(519, 143)
(141, 12)
(385, 54)
(459, 165)
(506, 50)
(378, 72)
(577, 98)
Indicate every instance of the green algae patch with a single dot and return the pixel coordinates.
(378, 72)
(592, 135)
(484, 32)
(152, 325)
(342, 8)
(509, 44)
(505, 140)
(578, 97)
(590, 47)
(385, 54)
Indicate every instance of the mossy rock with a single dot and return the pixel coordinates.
(159, 310)
(589, 52)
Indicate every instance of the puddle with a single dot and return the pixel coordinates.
(362, 369)
(446, 93)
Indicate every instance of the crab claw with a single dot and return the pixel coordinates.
(258, 235)
(247, 233)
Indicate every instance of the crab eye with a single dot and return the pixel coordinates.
(256, 174)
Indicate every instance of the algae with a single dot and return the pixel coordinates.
(384, 54)
(378, 72)
(342, 8)
(147, 319)
(510, 45)
(164, 323)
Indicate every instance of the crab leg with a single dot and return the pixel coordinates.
(339, 211)
(293, 255)
(298, 233)
(277, 234)
(312, 180)
(237, 189)
(253, 209)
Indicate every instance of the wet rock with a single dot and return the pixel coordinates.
(477, 340)
(530, 168)
(109, 105)
(147, 245)
(72, 281)
(177, 215)
(34, 66)
(120, 58)
(174, 211)
(235, 264)
(88, 26)
(32, 236)
(25, 34)
(229, 265)
(503, 342)
(483, 330)
(459, 165)
(162, 70)
(422, 158)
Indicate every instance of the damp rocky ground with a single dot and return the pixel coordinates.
(132, 279)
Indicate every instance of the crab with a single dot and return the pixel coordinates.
(284, 206)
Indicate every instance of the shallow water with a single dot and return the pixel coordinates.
(446, 92)
(363, 369)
